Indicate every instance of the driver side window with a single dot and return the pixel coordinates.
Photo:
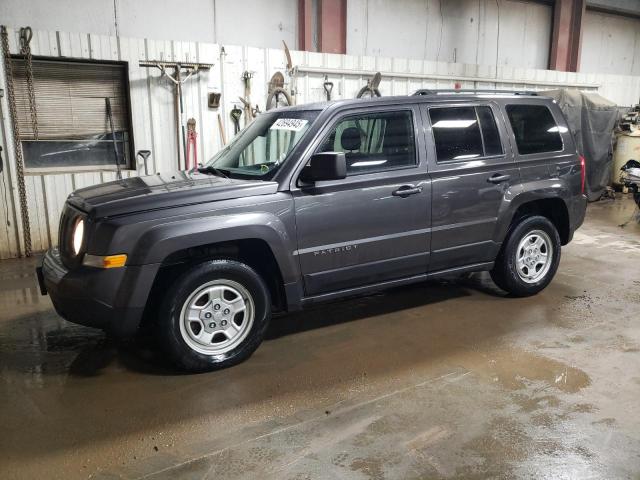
(374, 142)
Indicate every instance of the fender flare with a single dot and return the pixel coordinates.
(522, 194)
(157, 243)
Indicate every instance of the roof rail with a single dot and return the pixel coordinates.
(425, 91)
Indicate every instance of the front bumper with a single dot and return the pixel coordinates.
(113, 300)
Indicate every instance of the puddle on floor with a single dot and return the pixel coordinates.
(516, 369)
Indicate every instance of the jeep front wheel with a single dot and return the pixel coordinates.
(529, 258)
(214, 316)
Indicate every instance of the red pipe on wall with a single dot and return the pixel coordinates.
(330, 22)
(566, 38)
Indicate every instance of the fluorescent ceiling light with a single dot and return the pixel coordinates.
(558, 129)
(463, 157)
(454, 123)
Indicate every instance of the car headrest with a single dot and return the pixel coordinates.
(396, 134)
(350, 139)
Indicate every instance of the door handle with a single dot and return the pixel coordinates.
(406, 190)
(497, 178)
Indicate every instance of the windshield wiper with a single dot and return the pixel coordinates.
(210, 169)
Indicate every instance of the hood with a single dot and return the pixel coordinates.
(166, 190)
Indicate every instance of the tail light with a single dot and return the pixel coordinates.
(583, 173)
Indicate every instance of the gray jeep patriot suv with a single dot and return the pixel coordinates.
(317, 202)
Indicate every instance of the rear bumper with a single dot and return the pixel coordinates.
(110, 299)
(578, 212)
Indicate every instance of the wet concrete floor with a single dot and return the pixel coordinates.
(446, 379)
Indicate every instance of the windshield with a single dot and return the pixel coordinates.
(263, 146)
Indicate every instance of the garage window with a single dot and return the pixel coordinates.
(534, 128)
(73, 126)
(374, 142)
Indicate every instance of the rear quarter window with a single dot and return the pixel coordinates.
(534, 128)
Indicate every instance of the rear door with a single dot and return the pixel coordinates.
(472, 168)
(372, 226)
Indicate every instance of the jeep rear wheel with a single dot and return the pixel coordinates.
(529, 258)
(215, 315)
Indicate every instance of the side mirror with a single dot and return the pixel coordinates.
(325, 166)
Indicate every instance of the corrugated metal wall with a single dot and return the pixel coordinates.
(505, 32)
(610, 43)
(152, 104)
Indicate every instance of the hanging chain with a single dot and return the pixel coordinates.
(22, 190)
(25, 49)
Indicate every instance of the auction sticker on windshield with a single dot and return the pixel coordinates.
(293, 124)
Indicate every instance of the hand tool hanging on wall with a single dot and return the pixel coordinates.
(278, 96)
(144, 156)
(107, 102)
(236, 113)
(370, 90)
(191, 68)
(223, 136)
(249, 111)
(25, 50)
(191, 144)
(293, 74)
(214, 100)
(328, 87)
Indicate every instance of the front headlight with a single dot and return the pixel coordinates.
(78, 236)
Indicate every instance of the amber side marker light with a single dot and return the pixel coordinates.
(108, 261)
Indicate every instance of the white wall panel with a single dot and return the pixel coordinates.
(248, 22)
(185, 20)
(506, 32)
(257, 23)
(610, 44)
(503, 32)
(65, 15)
(154, 116)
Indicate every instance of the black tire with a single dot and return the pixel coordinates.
(169, 317)
(505, 272)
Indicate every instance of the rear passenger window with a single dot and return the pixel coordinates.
(464, 133)
(534, 128)
(374, 142)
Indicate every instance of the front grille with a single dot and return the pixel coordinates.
(68, 219)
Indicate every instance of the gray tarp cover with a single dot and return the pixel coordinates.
(591, 119)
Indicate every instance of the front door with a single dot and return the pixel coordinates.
(472, 169)
(372, 226)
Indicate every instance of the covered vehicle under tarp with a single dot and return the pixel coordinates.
(592, 119)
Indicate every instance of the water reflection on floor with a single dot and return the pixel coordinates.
(447, 379)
